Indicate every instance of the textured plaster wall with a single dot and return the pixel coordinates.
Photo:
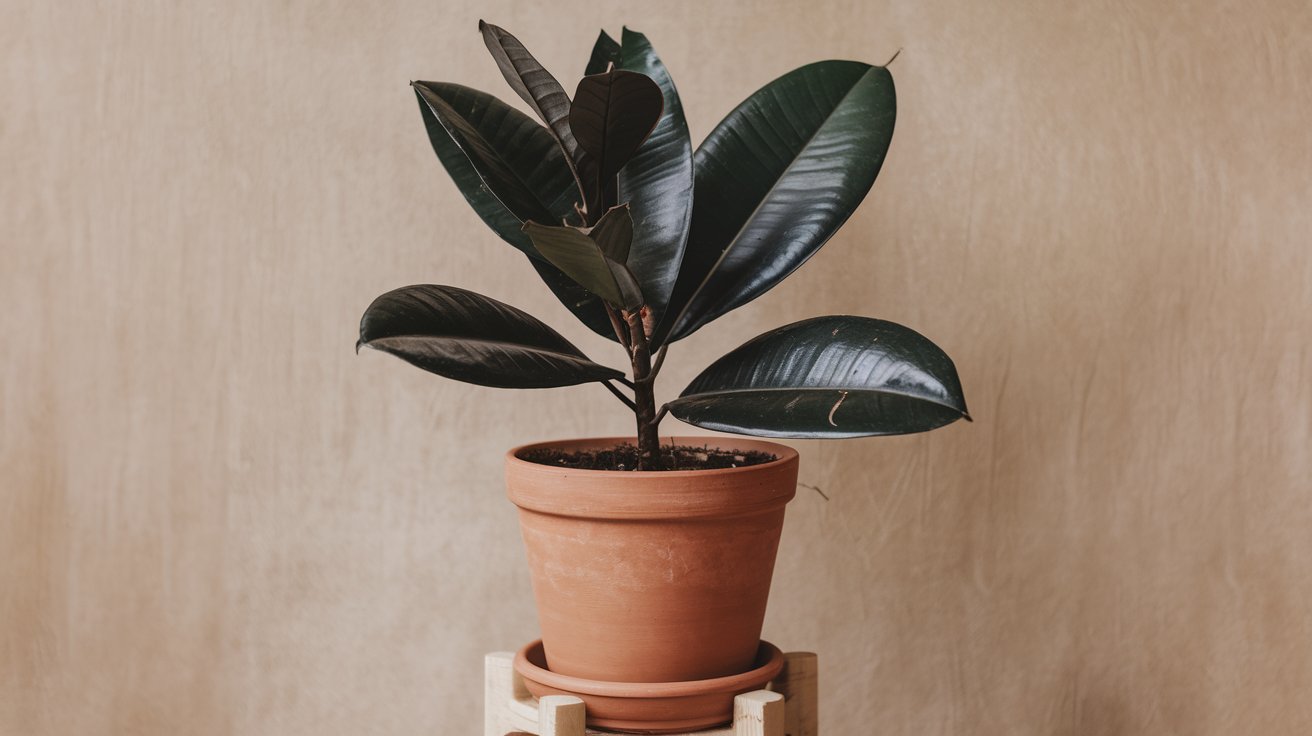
(216, 519)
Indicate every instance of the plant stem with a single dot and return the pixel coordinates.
(644, 395)
(656, 367)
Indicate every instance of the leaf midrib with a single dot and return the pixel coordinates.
(579, 358)
(849, 389)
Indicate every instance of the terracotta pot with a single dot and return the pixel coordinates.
(659, 707)
(651, 576)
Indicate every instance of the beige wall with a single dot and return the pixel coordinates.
(216, 519)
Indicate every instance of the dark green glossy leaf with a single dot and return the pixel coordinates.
(605, 51)
(605, 54)
(535, 85)
(774, 180)
(507, 150)
(612, 114)
(470, 337)
(585, 305)
(581, 258)
(507, 166)
(657, 184)
(828, 377)
(630, 291)
(614, 233)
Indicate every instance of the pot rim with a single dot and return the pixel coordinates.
(652, 494)
(772, 665)
(783, 455)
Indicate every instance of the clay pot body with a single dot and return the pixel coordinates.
(652, 576)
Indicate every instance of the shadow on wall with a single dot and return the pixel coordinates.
(994, 565)
(1084, 712)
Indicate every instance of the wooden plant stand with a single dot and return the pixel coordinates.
(788, 708)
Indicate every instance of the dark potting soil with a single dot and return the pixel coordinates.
(625, 457)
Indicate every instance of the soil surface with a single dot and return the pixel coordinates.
(625, 457)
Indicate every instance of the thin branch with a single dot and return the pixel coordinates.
(660, 415)
(626, 382)
(656, 367)
(620, 332)
(627, 401)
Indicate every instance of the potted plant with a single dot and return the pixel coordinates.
(652, 560)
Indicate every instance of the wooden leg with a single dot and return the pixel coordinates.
(498, 690)
(799, 683)
(789, 710)
(561, 715)
(759, 713)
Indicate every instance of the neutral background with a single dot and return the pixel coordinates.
(216, 519)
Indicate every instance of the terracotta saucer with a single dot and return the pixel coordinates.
(650, 707)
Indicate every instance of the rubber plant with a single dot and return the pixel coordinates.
(646, 240)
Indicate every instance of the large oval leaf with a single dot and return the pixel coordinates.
(473, 338)
(657, 183)
(504, 148)
(507, 166)
(774, 180)
(535, 85)
(828, 377)
(612, 114)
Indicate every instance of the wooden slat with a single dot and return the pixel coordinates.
(788, 710)
(498, 690)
